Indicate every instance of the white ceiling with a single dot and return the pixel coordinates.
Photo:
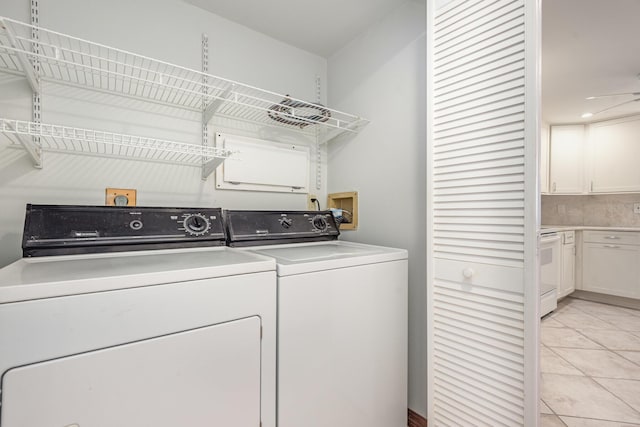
(589, 47)
(321, 27)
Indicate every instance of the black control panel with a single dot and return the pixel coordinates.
(70, 229)
(250, 228)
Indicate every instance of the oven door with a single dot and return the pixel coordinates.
(550, 272)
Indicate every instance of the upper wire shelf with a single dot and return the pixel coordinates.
(38, 137)
(73, 61)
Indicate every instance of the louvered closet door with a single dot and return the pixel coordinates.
(483, 337)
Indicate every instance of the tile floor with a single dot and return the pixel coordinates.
(590, 364)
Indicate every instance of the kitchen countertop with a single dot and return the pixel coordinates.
(551, 228)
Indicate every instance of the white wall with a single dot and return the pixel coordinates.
(381, 76)
(169, 30)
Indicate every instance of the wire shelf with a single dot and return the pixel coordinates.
(39, 137)
(73, 61)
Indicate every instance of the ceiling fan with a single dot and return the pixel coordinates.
(613, 94)
(636, 98)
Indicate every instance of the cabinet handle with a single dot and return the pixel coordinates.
(554, 187)
(611, 246)
(468, 273)
(612, 237)
(591, 187)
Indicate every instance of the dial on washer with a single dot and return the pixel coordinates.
(285, 222)
(319, 223)
(196, 224)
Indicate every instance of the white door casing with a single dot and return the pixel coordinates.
(483, 130)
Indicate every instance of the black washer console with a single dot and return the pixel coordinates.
(70, 229)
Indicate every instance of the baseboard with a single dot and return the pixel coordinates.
(416, 420)
(606, 299)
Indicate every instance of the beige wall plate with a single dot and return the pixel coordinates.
(120, 197)
(348, 202)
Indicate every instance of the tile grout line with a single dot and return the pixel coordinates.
(626, 358)
(603, 348)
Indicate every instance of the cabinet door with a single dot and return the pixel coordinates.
(568, 281)
(611, 269)
(615, 150)
(566, 160)
(544, 159)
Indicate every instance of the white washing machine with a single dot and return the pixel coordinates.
(342, 320)
(160, 335)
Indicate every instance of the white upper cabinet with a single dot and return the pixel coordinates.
(596, 158)
(544, 159)
(615, 153)
(566, 165)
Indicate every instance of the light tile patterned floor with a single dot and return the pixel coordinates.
(590, 364)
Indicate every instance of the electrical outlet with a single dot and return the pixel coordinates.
(311, 204)
(120, 197)
(636, 208)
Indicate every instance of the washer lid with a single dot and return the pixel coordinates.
(310, 257)
(45, 277)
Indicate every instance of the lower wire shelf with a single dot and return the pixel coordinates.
(37, 138)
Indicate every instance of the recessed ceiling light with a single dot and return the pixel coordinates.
(590, 97)
(587, 115)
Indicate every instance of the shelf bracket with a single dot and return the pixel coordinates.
(210, 166)
(215, 105)
(28, 69)
(350, 128)
(30, 147)
(34, 152)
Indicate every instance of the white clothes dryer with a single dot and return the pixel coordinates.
(342, 320)
(144, 332)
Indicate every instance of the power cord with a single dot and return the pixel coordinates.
(317, 202)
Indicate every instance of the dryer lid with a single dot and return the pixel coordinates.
(312, 257)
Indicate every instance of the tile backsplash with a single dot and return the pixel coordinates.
(611, 210)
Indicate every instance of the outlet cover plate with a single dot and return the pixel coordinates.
(120, 197)
(311, 205)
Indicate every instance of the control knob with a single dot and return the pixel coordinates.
(196, 224)
(285, 222)
(319, 223)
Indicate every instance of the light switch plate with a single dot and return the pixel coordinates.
(636, 208)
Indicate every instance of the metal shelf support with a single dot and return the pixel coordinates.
(33, 150)
(205, 94)
(215, 105)
(26, 66)
(209, 167)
